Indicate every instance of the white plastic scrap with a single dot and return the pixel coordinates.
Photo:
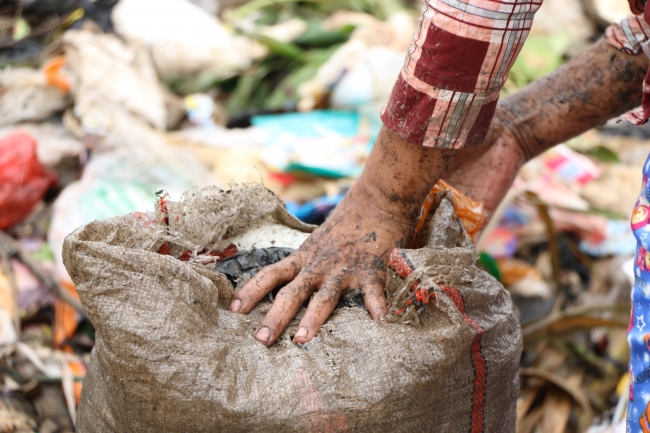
(183, 38)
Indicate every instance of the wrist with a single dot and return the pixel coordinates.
(399, 175)
(370, 199)
(372, 195)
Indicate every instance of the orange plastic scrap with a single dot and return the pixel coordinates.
(514, 270)
(469, 211)
(66, 318)
(78, 370)
(52, 70)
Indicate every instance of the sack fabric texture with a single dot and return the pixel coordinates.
(170, 357)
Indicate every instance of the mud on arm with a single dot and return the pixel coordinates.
(598, 85)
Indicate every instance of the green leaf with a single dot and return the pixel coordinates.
(286, 92)
(240, 99)
(199, 83)
(279, 48)
(256, 5)
(315, 36)
(43, 253)
(385, 8)
(540, 55)
(74, 16)
(602, 153)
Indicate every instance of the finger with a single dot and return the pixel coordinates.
(320, 308)
(374, 298)
(284, 308)
(263, 282)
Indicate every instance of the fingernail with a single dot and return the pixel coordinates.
(263, 335)
(235, 306)
(302, 333)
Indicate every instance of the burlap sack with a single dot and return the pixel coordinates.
(170, 357)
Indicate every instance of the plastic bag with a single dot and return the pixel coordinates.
(133, 87)
(250, 262)
(469, 211)
(23, 181)
(25, 94)
(115, 183)
(183, 39)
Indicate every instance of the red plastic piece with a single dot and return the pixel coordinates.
(23, 180)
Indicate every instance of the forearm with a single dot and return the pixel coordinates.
(597, 85)
(444, 98)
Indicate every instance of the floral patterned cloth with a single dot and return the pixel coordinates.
(638, 333)
(632, 36)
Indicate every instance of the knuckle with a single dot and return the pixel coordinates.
(373, 295)
(259, 279)
(373, 289)
(293, 291)
(324, 296)
(243, 294)
(293, 261)
(333, 295)
(328, 293)
(269, 271)
(275, 322)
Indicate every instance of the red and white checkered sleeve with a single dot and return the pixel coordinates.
(629, 35)
(447, 91)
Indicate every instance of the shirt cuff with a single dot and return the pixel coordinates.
(629, 35)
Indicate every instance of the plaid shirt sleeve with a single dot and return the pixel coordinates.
(631, 36)
(447, 91)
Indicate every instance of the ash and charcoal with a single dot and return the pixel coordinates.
(247, 263)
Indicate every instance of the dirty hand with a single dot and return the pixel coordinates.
(351, 249)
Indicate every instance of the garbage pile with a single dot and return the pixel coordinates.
(105, 103)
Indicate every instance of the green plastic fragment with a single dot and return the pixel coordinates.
(489, 265)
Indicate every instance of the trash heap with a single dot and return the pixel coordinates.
(105, 103)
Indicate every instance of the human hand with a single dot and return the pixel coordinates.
(350, 250)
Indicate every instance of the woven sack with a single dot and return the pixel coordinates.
(170, 357)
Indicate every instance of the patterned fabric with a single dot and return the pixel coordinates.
(637, 6)
(631, 36)
(638, 334)
(448, 89)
